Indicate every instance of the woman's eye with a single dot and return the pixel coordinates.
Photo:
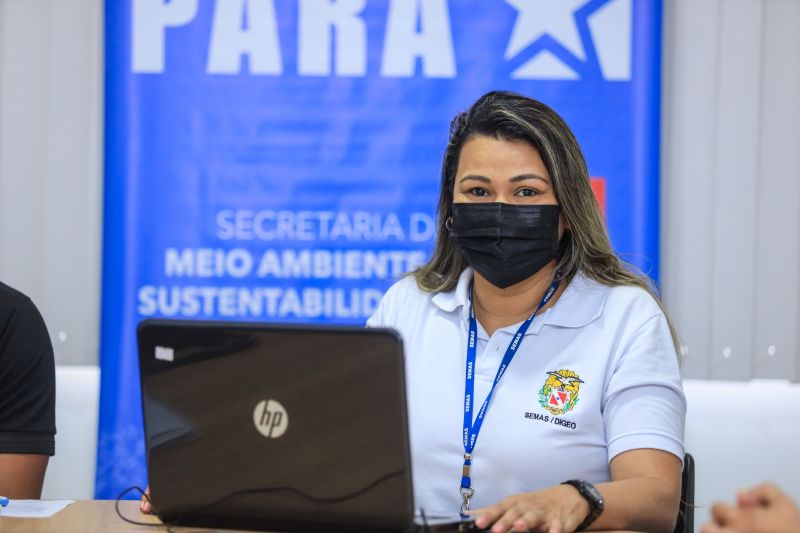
(527, 192)
(479, 191)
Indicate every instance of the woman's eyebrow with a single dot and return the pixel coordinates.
(523, 177)
(482, 179)
(515, 179)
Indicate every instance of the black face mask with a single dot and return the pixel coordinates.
(505, 243)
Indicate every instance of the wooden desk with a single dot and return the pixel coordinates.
(89, 516)
(86, 516)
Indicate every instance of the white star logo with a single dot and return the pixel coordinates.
(610, 32)
(536, 18)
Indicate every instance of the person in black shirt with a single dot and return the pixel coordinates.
(27, 396)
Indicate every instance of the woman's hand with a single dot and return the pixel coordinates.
(559, 509)
(763, 509)
(144, 505)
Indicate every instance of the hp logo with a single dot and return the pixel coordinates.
(270, 419)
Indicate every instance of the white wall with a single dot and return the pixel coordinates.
(731, 185)
(70, 474)
(50, 165)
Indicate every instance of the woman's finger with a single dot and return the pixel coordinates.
(723, 514)
(506, 521)
(530, 520)
(764, 494)
(556, 526)
(713, 528)
(487, 515)
(144, 504)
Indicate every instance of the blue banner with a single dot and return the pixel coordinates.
(279, 160)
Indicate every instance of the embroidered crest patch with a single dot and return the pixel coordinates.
(560, 391)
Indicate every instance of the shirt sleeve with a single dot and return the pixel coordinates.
(644, 405)
(385, 315)
(27, 382)
(378, 318)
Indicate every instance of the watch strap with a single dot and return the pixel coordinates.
(592, 496)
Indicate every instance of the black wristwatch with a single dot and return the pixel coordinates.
(591, 495)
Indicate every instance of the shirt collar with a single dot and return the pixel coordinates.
(451, 300)
(580, 304)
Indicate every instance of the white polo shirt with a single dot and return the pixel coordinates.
(596, 375)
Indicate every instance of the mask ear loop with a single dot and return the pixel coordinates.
(448, 224)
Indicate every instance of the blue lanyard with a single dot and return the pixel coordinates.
(471, 430)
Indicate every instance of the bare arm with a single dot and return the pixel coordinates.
(643, 496)
(644, 493)
(22, 475)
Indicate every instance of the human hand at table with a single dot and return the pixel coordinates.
(558, 509)
(144, 505)
(762, 509)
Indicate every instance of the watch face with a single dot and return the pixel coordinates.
(589, 492)
(593, 493)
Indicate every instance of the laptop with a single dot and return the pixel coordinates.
(276, 427)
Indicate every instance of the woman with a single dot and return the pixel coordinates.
(525, 330)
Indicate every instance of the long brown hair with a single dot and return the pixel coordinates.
(585, 247)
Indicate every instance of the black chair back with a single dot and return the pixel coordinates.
(686, 510)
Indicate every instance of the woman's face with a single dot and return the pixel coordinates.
(497, 170)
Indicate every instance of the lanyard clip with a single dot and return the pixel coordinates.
(466, 495)
(466, 484)
(465, 471)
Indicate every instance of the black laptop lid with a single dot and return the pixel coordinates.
(275, 427)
